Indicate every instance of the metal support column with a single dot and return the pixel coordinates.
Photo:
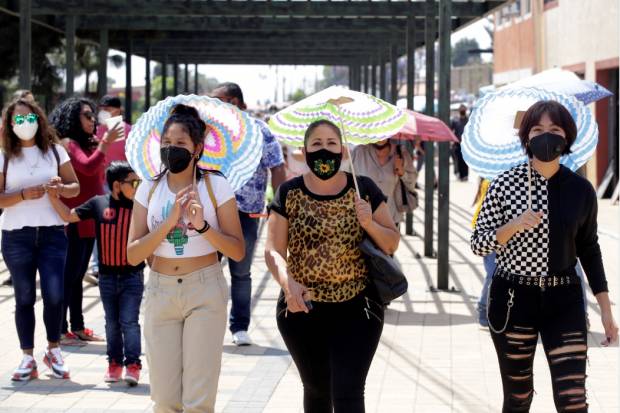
(25, 44)
(128, 88)
(443, 231)
(366, 79)
(186, 88)
(70, 54)
(410, 90)
(175, 74)
(196, 78)
(147, 79)
(393, 73)
(383, 78)
(164, 78)
(429, 147)
(351, 81)
(373, 80)
(102, 73)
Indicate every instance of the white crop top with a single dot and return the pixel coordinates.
(183, 241)
(31, 168)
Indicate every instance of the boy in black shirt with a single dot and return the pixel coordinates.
(121, 285)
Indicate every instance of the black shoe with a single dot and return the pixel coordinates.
(8, 282)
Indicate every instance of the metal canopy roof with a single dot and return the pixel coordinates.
(319, 32)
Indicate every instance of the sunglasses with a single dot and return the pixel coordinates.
(134, 182)
(30, 118)
(89, 115)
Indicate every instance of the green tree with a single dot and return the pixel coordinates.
(297, 95)
(334, 75)
(461, 55)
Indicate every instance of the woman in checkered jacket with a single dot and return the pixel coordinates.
(539, 218)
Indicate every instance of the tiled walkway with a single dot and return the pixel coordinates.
(433, 357)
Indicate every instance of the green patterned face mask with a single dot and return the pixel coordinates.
(324, 163)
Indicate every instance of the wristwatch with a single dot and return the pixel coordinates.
(204, 229)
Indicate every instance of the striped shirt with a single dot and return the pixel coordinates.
(112, 219)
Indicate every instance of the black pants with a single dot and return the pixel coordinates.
(460, 166)
(332, 347)
(558, 315)
(79, 251)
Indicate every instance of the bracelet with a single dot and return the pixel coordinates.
(22, 195)
(204, 229)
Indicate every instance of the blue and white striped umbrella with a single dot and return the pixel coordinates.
(490, 142)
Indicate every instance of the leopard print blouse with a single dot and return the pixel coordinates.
(323, 237)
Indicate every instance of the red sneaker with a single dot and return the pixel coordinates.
(132, 374)
(114, 373)
(88, 335)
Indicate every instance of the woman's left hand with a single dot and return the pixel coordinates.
(54, 187)
(364, 212)
(195, 210)
(611, 328)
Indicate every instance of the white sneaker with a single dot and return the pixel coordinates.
(53, 359)
(27, 369)
(242, 338)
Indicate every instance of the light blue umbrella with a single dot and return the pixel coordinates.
(563, 82)
(490, 143)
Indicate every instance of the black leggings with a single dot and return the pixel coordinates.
(332, 347)
(557, 314)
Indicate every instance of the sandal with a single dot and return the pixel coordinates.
(88, 335)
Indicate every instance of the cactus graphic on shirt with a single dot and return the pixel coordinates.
(178, 238)
(178, 235)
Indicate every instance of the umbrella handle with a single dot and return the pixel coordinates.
(346, 144)
(529, 184)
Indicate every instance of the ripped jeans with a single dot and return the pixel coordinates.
(557, 315)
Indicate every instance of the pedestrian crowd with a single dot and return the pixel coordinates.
(73, 206)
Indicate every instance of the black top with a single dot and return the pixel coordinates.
(112, 218)
(568, 230)
(458, 126)
(324, 236)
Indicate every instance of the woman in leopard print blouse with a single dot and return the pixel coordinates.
(328, 313)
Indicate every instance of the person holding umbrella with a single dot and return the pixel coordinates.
(328, 313)
(539, 217)
(182, 219)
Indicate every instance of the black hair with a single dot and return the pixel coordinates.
(65, 118)
(190, 121)
(558, 114)
(109, 100)
(117, 171)
(318, 123)
(233, 90)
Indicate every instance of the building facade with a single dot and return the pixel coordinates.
(578, 35)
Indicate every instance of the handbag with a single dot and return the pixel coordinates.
(405, 195)
(385, 274)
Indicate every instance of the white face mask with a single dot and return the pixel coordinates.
(103, 116)
(26, 130)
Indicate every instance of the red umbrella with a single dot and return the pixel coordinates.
(426, 128)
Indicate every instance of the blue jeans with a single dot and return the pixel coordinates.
(240, 277)
(78, 257)
(121, 295)
(489, 268)
(25, 251)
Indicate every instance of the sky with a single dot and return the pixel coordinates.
(259, 82)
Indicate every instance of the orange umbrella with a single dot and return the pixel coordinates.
(426, 128)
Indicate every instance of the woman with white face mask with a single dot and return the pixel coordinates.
(34, 166)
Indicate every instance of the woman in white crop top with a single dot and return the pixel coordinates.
(181, 220)
(34, 166)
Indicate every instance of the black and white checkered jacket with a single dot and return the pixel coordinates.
(568, 229)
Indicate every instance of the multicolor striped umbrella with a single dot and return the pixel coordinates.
(364, 118)
(490, 142)
(233, 144)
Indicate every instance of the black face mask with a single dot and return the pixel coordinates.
(547, 147)
(381, 146)
(174, 158)
(323, 163)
